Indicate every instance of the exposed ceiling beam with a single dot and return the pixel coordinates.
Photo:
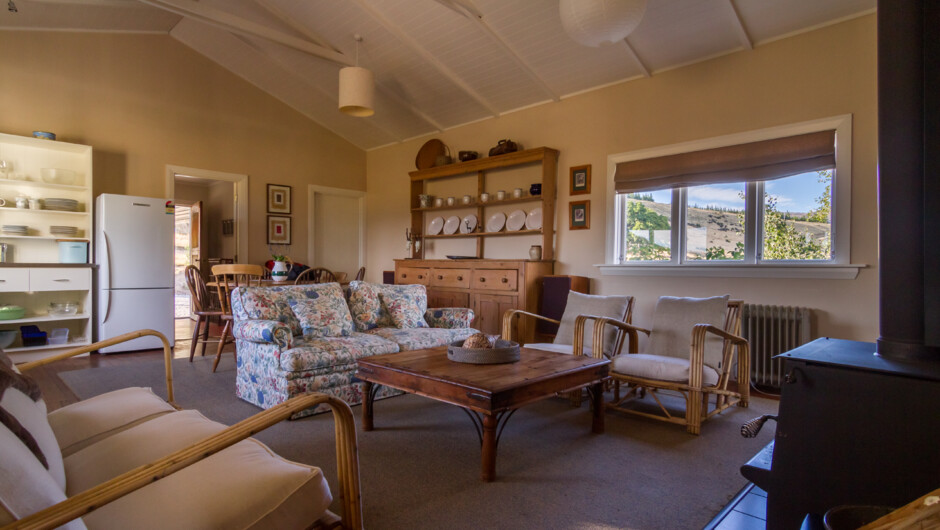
(426, 55)
(234, 24)
(279, 13)
(101, 3)
(410, 106)
(738, 25)
(469, 11)
(636, 58)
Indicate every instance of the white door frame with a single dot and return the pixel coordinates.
(241, 206)
(312, 191)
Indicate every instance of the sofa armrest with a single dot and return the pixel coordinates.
(346, 455)
(449, 317)
(264, 332)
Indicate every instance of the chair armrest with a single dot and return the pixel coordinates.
(697, 355)
(264, 332)
(167, 355)
(449, 317)
(516, 313)
(347, 464)
(597, 346)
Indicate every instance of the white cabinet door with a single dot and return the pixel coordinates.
(59, 279)
(13, 280)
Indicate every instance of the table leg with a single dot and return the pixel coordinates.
(489, 447)
(597, 402)
(367, 397)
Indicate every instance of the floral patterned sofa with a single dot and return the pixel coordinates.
(298, 339)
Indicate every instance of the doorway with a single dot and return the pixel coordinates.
(182, 258)
(336, 224)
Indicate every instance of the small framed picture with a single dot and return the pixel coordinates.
(579, 215)
(278, 198)
(278, 230)
(580, 180)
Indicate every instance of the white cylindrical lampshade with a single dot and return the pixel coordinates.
(356, 91)
(596, 22)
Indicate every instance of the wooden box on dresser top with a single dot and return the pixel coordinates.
(488, 286)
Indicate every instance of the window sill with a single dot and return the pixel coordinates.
(820, 271)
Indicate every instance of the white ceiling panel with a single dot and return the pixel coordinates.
(435, 67)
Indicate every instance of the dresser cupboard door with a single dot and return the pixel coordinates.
(489, 309)
(438, 298)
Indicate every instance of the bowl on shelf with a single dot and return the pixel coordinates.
(11, 312)
(7, 337)
(54, 175)
(63, 308)
(44, 135)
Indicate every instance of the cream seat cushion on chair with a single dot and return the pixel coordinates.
(588, 304)
(567, 349)
(83, 423)
(660, 368)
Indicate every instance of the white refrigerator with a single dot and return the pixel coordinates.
(134, 253)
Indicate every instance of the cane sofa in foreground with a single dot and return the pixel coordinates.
(128, 459)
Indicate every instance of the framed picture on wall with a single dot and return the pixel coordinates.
(278, 230)
(278, 198)
(579, 215)
(580, 180)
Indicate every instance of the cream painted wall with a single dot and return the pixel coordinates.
(823, 73)
(145, 101)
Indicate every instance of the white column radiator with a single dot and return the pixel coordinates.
(772, 330)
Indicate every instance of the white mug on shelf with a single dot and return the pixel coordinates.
(484, 197)
(450, 201)
(517, 192)
(439, 202)
(467, 199)
(500, 195)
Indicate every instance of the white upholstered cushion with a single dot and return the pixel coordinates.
(660, 368)
(25, 485)
(32, 416)
(588, 304)
(672, 327)
(558, 348)
(85, 422)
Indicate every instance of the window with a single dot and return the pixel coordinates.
(776, 199)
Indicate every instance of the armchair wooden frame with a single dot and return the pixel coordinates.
(347, 456)
(696, 394)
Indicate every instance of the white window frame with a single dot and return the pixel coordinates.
(839, 267)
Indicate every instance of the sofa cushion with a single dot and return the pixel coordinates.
(587, 304)
(660, 367)
(83, 423)
(673, 320)
(266, 303)
(405, 306)
(23, 412)
(245, 486)
(312, 353)
(322, 311)
(365, 305)
(26, 486)
(420, 338)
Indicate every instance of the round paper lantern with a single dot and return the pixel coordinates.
(596, 22)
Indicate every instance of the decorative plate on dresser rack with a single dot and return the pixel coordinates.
(469, 224)
(515, 221)
(495, 222)
(435, 226)
(452, 224)
(533, 221)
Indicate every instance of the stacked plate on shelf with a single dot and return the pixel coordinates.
(15, 230)
(62, 205)
(63, 230)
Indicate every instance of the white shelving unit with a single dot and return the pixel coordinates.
(35, 278)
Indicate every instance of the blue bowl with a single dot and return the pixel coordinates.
(7, 338)
(44, 135)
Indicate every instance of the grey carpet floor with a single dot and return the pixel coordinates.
(420, 467)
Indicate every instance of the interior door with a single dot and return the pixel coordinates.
(336, 234)
(195, 236)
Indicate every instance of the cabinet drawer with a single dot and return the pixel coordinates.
(412, 275)
(450, 278)
(59, 279)
(14, 280)
(495, 279)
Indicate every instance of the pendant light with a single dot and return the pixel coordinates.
(356, 89)
(596, 22)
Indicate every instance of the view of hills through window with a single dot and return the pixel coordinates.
(796, 221)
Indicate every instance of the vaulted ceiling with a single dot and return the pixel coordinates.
(438, 64)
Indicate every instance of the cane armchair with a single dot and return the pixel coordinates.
(693, 345)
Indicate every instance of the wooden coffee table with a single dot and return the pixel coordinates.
(488, 393)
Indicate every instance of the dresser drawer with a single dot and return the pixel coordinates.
(495, 279)
(59, 279)
(14, 280)
(412, 275)
(450, 278)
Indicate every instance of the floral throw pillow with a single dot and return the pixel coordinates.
(364, 304)
(405, 305)
(322, 311)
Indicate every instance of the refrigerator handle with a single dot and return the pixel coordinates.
(107, 263)
(107, 306)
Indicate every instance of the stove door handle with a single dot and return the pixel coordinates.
(752, 427)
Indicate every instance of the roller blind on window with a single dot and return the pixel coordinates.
(764, 160)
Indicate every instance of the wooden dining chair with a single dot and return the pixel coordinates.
(315, 275)
(204, 307)
(227, 278)
(361, 274)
